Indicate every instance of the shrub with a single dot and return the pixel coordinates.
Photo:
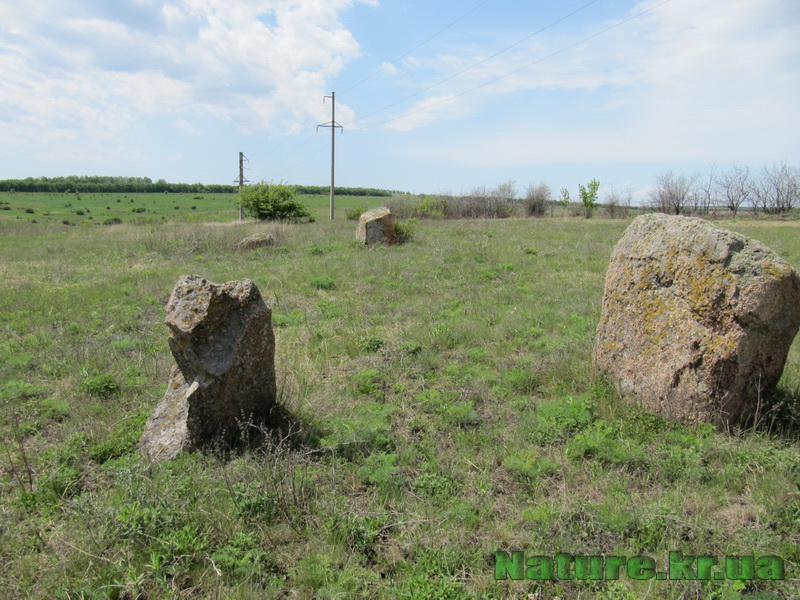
(112, 221)
(616, 203)
(323, 283)
(54, 408)
(536, 200)
(30, 211)
(354, 213)
(101, 386)
(272, 202)
(405, 230)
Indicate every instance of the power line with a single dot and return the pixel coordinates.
(477, 64)
(381, 68)
(522, 68)
(305, 160)
(293, 152)
(417, 47)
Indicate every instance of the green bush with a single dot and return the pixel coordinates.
(405, 230)
(323, 283)
(272, 202)
(354, 213)
(101, 386)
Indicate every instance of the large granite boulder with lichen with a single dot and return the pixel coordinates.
(696, 320)
(376, 226)
(221, 338)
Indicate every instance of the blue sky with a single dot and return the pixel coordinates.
(433, 96)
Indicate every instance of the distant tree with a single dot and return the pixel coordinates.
(673, 194)
(734, 188)
(617, 203)
(272, 202)
(588, 196)
(706, 197)
(778, 189)
(537, 198)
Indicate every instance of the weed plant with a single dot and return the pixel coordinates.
(437, 404)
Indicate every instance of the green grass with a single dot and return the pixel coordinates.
(440, 405)
(82, 209)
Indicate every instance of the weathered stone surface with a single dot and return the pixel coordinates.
(376, 226)
(257, 240)
(221, 338)
(696, 320)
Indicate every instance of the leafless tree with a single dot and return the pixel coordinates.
(734, 188)
(673, 194)
(537, 199)
(778, 189)
(705, 198)
(617, 202)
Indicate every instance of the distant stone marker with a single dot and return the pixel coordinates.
(697, 320)
(257, 240)
(221, 338)
(376, 226)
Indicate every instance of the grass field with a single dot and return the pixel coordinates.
(439, 405)
(141, 209)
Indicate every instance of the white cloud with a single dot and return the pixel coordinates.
(186, 126)
(389, 69)
(696, 80)
(424, 112)
(72, 68)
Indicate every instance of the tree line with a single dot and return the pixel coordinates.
(318, 190)
(773, 190)
(108, 184)
(111, 184)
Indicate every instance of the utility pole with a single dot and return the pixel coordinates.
(333, 125)
(242, 158)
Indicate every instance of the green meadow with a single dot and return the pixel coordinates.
(437, 404)
(148, 208)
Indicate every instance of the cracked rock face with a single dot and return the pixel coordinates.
(697, 321)
(376, 226)
(221, 338)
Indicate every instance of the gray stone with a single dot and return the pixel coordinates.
(257, 240)
(697, 320)
(221, 338)
(376, 226)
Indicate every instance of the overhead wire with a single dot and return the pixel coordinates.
(515, 71)
(382, 67)
(415, 48)
(477, 64)
(324, 146)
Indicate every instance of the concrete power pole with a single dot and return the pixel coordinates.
(333, 125)
(242, 158)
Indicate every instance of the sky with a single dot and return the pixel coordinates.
(432, 97)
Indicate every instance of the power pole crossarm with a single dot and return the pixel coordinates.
(333, 125)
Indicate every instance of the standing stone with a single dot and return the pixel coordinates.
(376, 226)
(221, 338)
(697, 320)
